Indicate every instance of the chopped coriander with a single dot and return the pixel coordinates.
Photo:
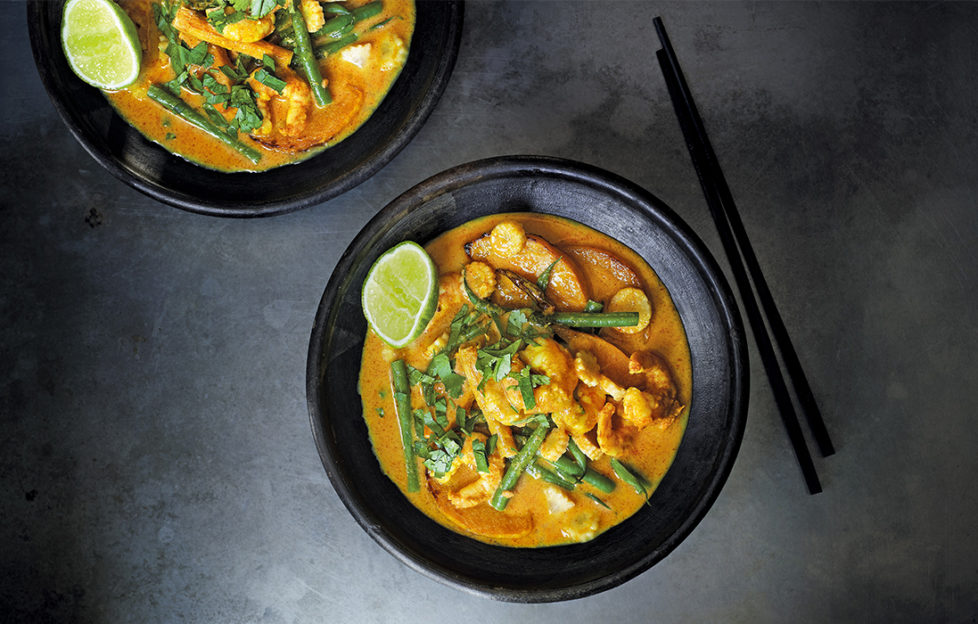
(491, 444)
(479, 452)
(544, 280)
(170, 136)
(261, 8)
(269, 80)
(380, 412)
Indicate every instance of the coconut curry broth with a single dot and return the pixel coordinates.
(535, 515)
(357, 76)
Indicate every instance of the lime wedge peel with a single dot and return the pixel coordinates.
(400, 293)
(101, 43)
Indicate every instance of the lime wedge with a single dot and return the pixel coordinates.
(101, 43)
(400, 293)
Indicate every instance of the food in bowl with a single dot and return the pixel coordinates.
(249, 85)
(547, 395)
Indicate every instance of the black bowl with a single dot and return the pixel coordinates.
(146, 166)
(718, 408)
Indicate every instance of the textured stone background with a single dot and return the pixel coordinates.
(156, 460)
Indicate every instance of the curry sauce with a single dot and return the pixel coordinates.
(539, 513)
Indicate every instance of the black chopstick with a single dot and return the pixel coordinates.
(734, 236)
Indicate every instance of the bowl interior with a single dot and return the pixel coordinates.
(718, 408)
(148, 167)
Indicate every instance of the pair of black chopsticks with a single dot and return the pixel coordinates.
(740, 253)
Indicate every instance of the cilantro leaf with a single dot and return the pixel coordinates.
(269, 80)
(261, 8)
(544, 280)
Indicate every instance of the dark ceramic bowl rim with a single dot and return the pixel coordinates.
(453, 179)
(356, 174)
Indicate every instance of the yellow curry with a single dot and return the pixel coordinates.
(519, 372)
(248, 85)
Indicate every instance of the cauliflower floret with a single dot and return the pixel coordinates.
(393, 55)
(358, 55)
(557, 501)
(582, 527)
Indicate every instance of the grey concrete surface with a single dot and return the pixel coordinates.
(156, 459)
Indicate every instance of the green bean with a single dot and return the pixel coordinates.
(367, 11)
(590, 319)
(194, 117)
(577, 454)
(538, 471)
(402, 403)
(518, 465)
(631, 478)
(334, 47)
(599, 481)
(568, 468)
(571, 471)
(336, 27)
(346, 37)
(335, 8)
(304, 56)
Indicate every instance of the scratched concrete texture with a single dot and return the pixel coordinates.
(156, 458)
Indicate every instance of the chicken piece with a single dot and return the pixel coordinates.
(659, 390)
(481, 279)
(632, 299)
(285, 111)
(614, 436)
(492, 398)
(591, 399)
(612, 360)
(312, 15)
(505, 442)
(482, 489)
(250, 30)
(330, 121)
(555, 444)
(590, 374)
(549, 358)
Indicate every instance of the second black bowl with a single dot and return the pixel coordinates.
(146, 166)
